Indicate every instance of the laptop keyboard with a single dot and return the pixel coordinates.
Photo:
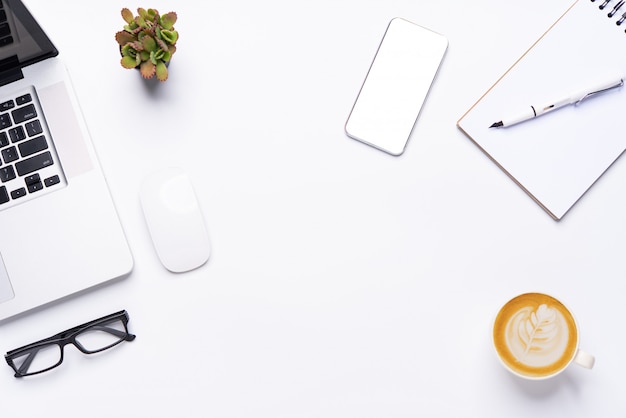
(29, 166)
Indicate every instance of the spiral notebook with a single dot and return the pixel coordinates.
(557, 157)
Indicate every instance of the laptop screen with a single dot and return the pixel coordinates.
(22, 41)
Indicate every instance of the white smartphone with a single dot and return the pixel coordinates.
(396, 86)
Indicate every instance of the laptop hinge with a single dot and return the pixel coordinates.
(10, 70)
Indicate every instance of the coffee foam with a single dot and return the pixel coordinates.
(535, 335)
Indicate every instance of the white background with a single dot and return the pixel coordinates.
(343, 282)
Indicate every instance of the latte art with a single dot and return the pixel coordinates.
(535, 335)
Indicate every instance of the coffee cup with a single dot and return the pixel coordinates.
(536, 337)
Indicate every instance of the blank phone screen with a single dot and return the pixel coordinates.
(396, 86)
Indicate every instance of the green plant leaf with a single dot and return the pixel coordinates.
(161, 71)
(149, 44)
(148, 14)
(132, 27)
(128, 51)
(168, 20)
(127, 15)
(147, 69)
(128, 62)
(140, 21)
(169, 36)
(151, 14)
(122, 37)
(158, 55)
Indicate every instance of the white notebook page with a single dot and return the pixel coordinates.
(556, 157)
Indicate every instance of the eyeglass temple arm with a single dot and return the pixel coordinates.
(121, 315)
(121, 334)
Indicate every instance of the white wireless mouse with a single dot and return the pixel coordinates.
(174, 220)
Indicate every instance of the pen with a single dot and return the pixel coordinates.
(574, 98)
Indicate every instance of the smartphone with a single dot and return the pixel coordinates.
(396, 86)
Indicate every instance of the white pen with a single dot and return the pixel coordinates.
(574, 98)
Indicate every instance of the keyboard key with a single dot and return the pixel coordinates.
(5, 121)
(4, 196)
(35, 163)
(35, 187)
(6, 41)
(16, 194)
(25, 113)
(34, 178)
(9, 154)
(5, 29)
(8, 105)
(17, 134)
(33, 146)
(33, 128)
(23, 99)
(51, 181)
(4, 139)
(7, 173)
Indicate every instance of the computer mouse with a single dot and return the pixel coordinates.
(175, 220)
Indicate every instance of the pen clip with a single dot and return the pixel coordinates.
(620, 83)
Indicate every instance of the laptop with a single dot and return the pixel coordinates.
(59, 230)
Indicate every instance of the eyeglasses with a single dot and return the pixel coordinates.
(91, 337)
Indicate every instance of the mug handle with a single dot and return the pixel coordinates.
(584, 359)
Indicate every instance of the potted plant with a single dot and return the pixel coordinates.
(148, 41)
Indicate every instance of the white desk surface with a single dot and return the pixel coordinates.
(343, 282)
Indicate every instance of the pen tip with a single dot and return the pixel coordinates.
(497, 125)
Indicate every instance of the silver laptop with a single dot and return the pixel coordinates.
(59, 230)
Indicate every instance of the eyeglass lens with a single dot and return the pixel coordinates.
(38, 359)
(102, 336)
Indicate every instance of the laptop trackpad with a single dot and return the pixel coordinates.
(6, 291)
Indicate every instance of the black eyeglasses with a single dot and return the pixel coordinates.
(91, 337)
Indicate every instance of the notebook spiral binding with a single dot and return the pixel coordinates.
(614, 10)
